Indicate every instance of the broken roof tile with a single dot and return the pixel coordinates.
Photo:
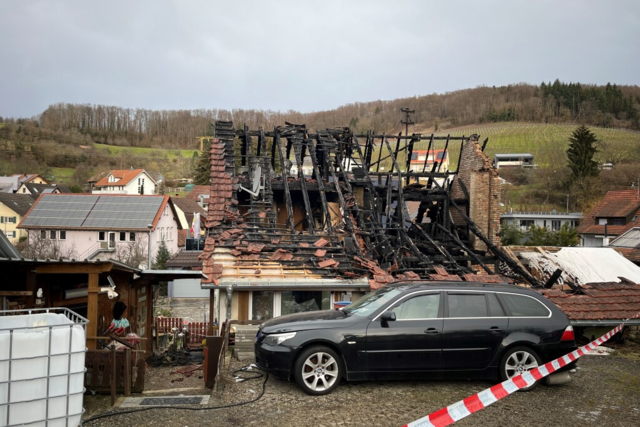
(321, 243)
(255, 247)
(327, 263)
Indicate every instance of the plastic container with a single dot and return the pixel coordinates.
(42, 354)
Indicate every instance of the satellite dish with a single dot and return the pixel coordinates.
(255, 184)
(257, 175)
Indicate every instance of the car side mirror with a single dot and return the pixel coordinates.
(388, 315)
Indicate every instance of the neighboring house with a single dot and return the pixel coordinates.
(628, 244)
(200, 193)
(13, 207)
(550, 220)
(9, 184)
(186, 259)
(90, 184)
(424, 160)
(524, 160)
(90, 226)
(30, 178)
(129, 181)
(186, 209)
(616, 213)
(35, 190)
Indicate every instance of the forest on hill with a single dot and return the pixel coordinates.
(75, 141)
(557, 102)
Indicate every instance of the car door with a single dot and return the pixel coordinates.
(410, 343)
(474, 326)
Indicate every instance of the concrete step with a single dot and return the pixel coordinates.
(243, 355)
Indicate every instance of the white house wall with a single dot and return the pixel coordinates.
(187, 288)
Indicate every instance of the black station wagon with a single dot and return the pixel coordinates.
(417, 330)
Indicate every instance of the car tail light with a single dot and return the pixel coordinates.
(568, 334)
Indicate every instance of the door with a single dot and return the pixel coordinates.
(474, 327)
(112, 240)
(243, 305)
(410, 343)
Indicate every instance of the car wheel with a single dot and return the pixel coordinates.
(318, 370)
(517, 361)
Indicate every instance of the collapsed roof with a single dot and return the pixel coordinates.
(294, 205)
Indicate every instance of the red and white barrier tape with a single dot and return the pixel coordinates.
(468, 406)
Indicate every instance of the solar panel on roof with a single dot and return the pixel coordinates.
(94, 211)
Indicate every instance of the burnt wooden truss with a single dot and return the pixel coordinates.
(337, 204)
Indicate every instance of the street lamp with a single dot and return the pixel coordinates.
(149, 226)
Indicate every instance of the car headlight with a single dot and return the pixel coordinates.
(277, 339)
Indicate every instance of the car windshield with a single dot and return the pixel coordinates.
(372, 301)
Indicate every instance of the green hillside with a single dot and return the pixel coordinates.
(161, 153)
(547, 142)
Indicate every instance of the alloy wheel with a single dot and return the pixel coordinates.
(320, 371)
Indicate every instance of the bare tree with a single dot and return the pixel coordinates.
(132, 253)
(35, 247)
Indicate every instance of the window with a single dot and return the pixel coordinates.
(618, 221)
(43, 234)
(526, 223)
(523, 306)
(101, 236)
(63, 235)
(300, 301)
(555, 224)
(420, 307)
(122, 236)
(262, 305)
(467, 305)
(52, 234)
(602, 221)
(495, 310)
(132, 237)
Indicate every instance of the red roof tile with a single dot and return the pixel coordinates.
(598, 301)
(124, 177)
(615, 204)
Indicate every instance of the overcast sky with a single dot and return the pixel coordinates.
(301, 55)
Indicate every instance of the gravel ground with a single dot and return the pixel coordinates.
(604, 391)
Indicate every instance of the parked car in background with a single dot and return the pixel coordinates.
(417, 330)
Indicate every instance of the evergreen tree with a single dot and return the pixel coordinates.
(580, 153)
(202, 171)
(162, 257)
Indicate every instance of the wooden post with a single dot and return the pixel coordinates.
(127, 372)
(114, 374)
(211, 305)
(92, 311)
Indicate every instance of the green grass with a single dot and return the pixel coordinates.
(163, 153)
(63, 175)
(547, 142)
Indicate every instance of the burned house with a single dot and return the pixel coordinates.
(298, 220)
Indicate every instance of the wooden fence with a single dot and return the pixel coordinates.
(196, 331)
(100, 373)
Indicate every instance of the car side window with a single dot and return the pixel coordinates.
(420, 307)
(467, 305)
(523, 306)
(495, 310)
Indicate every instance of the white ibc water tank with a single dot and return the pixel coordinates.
(42, 367)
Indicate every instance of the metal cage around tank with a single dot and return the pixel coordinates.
(42, 367)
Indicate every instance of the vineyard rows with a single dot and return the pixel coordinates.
(547, 142)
